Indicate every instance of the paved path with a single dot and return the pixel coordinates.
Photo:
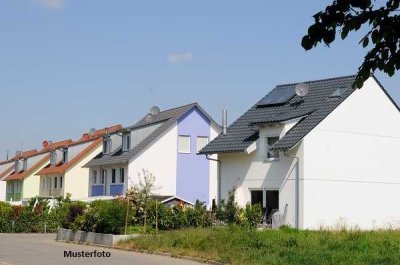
(27, 249)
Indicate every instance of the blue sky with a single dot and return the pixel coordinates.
(68, 65)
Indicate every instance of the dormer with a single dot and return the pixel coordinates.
(53, 157)
(107, 144)
(126, 141)
(17, 166)
(65, 155)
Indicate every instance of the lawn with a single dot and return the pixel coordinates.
(236, 245)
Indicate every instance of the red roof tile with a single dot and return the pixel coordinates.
(22, 174)
(62, 168)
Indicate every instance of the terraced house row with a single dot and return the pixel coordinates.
(312, 154)
(104, 163)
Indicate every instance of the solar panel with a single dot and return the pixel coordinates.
(278, 95)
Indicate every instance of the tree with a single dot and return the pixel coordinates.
(344, 16)
(141, 193)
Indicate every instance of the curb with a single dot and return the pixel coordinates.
(165, 254)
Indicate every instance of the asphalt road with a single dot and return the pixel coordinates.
(39, 249)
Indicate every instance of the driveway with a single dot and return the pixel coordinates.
(42, 249)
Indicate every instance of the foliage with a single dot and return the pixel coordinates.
(383, 22)
(141, 194)
(252, 215)
(111, 217)
(238, 245)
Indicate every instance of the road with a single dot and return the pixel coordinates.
(39, 249)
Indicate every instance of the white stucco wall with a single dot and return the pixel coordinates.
(213, 183)
(76, 179)
(3, 184)
(351, 168)
(251, 171)
(160, 159)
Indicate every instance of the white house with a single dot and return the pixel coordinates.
(6, 168)
(164, 144)
(324, 159)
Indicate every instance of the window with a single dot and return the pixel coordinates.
(126, 142)
(338, 92)
(122, 175)
(107, 146)
(25, 164)
(113, 171)
(257, 197)
(201, 142)
(53, 158)
(55, 182)
(271, 155)
(268, 199)
(94, 176)
(65, 155)
(61, 182)
(184, 144)
(16, 166)
(103, 176)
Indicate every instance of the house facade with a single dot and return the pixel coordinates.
(164, 144)
(324, 159)
(64, 173)
(6, 168)
(21, 183)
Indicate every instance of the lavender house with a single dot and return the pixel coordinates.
(165, 144)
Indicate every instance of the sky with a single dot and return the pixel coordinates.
(70, 65)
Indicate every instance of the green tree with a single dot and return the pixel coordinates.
(383, 22)
(140, 194)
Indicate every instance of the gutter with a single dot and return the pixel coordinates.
(297, 191)
(219, 176)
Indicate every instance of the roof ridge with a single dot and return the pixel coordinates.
(193, 103)
(318, 80)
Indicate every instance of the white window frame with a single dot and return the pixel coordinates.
(94, 177)
(107, 145)
(113, 176)
(198, 147)
(121, 170)
(267, 152)
(126, 141)
(65, 155)
(179, 144)
(25, 164)
(103, 176)
(53, 158)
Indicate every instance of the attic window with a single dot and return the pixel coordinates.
(126, 142)
(107, 146)
(53, 158)
(338, 92)
(17, 166)
(271, 155)
(65, 155)
(25, 164)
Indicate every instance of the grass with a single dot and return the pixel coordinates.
(134, 230)
(237, 245)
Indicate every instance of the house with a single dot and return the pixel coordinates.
(165, 145)
(6, 168)
(20, 180)
(324, 156)
(64, 172)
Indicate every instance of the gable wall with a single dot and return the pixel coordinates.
(160, 159)
(351, 163)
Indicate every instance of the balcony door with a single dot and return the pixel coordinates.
(268, 199)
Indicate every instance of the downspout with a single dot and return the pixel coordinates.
(218, 176)
(297, 191)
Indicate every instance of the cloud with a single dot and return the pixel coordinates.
(51, 4)
(180, 57)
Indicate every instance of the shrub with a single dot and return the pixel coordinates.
(252, 215)
(111, 216)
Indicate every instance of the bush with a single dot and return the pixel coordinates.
(111, 216)
(252, 215)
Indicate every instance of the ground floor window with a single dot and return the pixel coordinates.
(268, 199)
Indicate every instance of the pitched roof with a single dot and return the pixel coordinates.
(165, 118)
(22, 174)
(311, 110)
(6, 172)
(96, 140)
(61, 168)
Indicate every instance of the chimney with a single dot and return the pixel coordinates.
(224, 120)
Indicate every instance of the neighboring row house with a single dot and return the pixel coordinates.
(320, 153)
(164, 144)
